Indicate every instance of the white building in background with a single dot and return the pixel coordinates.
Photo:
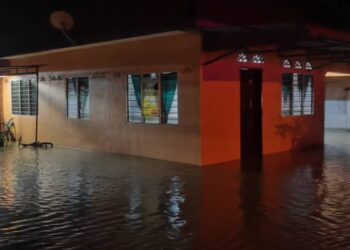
(337, 102)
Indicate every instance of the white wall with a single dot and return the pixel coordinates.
(337, 103)
(336, 114)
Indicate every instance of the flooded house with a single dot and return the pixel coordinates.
(218, 88)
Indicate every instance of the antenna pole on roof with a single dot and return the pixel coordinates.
(64, 22)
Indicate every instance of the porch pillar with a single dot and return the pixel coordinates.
(347, 90)
(1, 103)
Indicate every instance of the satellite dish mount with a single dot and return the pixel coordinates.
(64, 22)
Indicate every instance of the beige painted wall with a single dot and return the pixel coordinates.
(1, 103)
(108, 129)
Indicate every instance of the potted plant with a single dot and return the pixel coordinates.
(2, 139)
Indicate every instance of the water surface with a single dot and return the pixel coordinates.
(78, 199)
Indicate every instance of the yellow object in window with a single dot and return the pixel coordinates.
(150, 97)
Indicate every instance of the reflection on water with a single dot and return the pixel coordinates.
(73, 199)
(173, 207)
(297, 200)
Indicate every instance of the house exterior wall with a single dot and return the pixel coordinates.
(209, 101)
(220, 111)
(108, 128)
(337, 103)
(1, 103)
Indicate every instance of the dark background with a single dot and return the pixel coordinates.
(25, 25)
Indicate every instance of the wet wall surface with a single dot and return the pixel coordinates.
(75, 199)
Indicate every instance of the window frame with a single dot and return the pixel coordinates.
(304, 76)
(159, 98)
(78, 104)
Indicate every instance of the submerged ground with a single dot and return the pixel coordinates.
(76, 199)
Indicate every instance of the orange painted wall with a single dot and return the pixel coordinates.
(293, 132)
(220, 111)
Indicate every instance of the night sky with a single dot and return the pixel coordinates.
(25, 25)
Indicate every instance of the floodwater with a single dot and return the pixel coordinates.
(78, 199)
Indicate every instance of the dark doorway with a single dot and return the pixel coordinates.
(251, 114)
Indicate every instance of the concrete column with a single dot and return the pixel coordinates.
(1, 103)
(347, 90)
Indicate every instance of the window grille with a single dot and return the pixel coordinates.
(78, 98)
(153, 98)
(23, 97)
(297, 94)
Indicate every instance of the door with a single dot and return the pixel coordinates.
(251, 114)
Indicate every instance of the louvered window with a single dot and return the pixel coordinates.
(153, 98)
(297, 94)
(78, 98)
(23, 97)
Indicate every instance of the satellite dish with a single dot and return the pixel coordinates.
(62, 21)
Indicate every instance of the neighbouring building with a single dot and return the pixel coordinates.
(337, 102)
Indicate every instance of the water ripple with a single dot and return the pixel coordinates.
(74, 199)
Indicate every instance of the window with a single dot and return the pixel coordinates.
(297, 94)
(78, 98)
(153, 98)
(23, 97)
